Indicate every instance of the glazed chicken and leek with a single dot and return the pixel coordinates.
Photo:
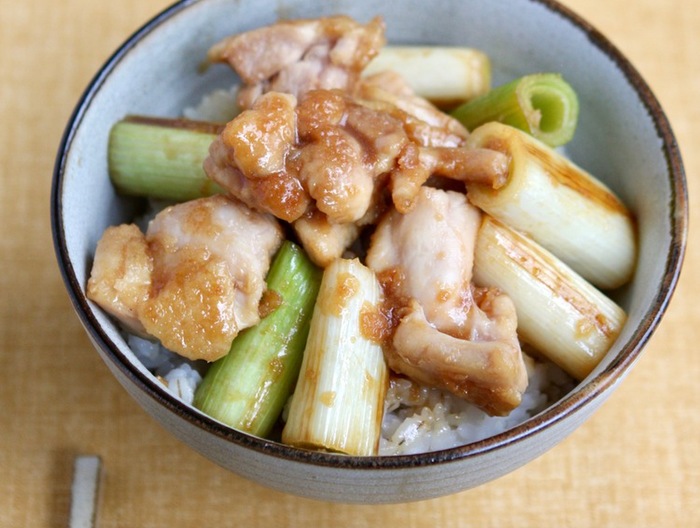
(352, 262)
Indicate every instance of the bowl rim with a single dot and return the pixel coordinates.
(568, 405)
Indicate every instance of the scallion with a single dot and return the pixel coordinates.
(248, 388)
(543, 105)
(161, 158)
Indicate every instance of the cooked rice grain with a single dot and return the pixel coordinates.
(419, 419)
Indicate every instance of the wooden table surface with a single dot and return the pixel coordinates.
(635, 463)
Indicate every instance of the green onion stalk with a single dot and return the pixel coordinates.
(161, 158)
(543, 105)
(248, 388)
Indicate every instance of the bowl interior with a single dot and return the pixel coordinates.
(623, 138)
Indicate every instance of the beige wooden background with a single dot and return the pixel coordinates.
(635, 463)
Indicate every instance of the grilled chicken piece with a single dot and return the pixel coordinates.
(336, 154)
(300, 55)
(194, 280)
(488, 371)
(323, 241)
(447, 333)
(120, 280)
(250, 158)
(433, 248)
(434, 127)
(328, 151)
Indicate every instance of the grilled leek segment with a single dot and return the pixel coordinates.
(559, 205)
(161, 158)
(338, 403)
(446, 76)
(560, 314)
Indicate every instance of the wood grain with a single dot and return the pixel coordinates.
(635, 463)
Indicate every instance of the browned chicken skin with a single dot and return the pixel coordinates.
(489, 373)
(194, 280)
(337, 154)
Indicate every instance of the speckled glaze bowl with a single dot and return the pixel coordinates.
(623, 137)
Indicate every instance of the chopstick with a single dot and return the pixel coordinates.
(84, 491)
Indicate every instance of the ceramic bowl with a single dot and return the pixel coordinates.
(623, 137)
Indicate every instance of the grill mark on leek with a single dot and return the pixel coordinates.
(559, 205)
(560, 314)
(522, 252)
(563, 172)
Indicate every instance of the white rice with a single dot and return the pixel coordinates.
(179, 375)
(219, 106)
(417, 418)
(182, 381)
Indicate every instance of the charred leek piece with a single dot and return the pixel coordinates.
(248, 388)
(543, 105)
(559, 205)
(161, 158)
(560, 314)
(445, 76)
(338, 404)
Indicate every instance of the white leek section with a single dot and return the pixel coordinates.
(559, 205)
(338, 403)
(443, 75)
(559, 313)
